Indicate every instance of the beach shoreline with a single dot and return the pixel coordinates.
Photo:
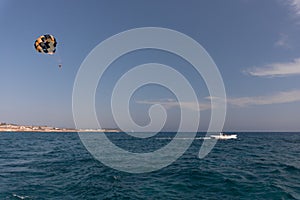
(5, 127)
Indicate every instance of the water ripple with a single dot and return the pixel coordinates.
(57, 166)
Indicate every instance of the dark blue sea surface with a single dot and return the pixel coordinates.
(57, 166)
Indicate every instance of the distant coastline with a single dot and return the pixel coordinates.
(6, 127)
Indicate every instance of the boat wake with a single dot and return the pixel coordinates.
(196, 138)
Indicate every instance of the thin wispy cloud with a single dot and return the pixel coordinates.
(171, 103)
(295, 6)
(278, 98)
(283, 41)
(277, 69)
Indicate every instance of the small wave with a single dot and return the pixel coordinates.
(291, 168)
(276, 171)
(116, 177)
(21, 197)
(292, 141)
(291, 194)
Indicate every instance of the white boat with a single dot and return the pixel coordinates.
(222, 136)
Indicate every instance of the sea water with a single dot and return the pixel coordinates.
(57, 166)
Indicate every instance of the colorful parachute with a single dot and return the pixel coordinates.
(45, 44)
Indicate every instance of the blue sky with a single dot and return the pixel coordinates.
(255, 45)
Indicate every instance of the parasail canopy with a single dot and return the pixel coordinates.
(46, 44)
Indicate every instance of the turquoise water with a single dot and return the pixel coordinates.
(57, 166)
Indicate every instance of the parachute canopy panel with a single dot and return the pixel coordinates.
(45, 44)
